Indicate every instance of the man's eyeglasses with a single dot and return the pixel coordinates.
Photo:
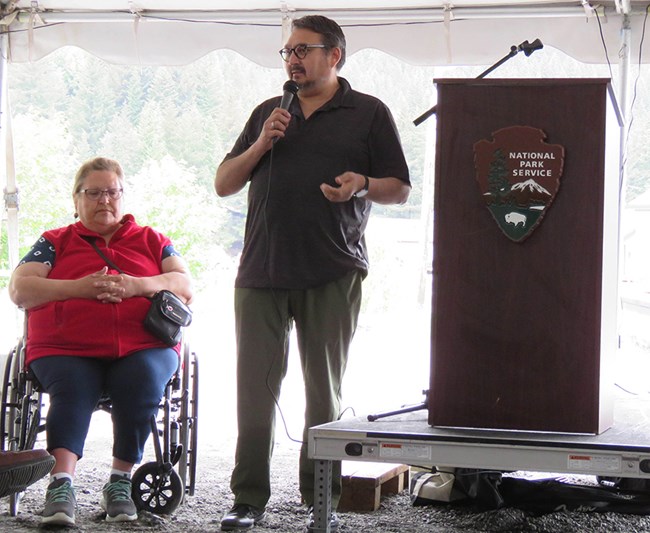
(301, 50)
(96, 194)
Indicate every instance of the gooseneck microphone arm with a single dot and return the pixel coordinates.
(526, 47)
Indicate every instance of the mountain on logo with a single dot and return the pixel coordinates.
(531, 185)
(529, 192)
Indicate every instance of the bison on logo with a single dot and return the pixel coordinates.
(519, 176)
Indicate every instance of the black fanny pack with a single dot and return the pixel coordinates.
(167, 316)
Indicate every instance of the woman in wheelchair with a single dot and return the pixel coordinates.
(85, 333)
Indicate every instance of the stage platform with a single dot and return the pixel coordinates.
(621, 451)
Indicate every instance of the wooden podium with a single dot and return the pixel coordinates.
(525, 287)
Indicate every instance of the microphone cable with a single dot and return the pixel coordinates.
(266, 269)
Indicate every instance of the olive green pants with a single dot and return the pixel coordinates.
(325, 319)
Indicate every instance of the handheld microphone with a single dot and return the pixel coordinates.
(290, 88)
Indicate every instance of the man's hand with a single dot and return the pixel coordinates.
(274, 127)
(349, 183)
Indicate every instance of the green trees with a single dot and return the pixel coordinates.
(168, 126)
(171, 126)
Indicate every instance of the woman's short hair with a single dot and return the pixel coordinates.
(97, 163)
(332, 33)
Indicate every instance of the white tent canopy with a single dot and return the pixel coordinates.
(426, 32)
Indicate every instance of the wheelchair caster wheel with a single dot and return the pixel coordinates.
(156, 491)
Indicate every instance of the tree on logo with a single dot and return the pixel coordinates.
(498, 184)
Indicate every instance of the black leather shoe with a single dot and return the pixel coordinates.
(334, 520)
(241, 516)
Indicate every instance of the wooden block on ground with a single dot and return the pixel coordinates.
(363, 484)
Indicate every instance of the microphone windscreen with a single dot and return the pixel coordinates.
(291, 86)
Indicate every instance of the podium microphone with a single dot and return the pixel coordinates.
(526, 47)
(290, 88)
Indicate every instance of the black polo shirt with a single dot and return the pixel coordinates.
(296, 238)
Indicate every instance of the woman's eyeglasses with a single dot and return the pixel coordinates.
(96, 194)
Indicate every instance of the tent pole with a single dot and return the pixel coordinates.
(10, 191)
(625, 53)
(623, 98)
(6, 157)
(625, 110)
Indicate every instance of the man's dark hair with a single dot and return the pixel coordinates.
(332, 33)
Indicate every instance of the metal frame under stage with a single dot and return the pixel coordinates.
(621, 451)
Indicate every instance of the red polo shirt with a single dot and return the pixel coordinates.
(90, 328)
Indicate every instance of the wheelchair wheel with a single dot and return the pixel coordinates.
(7, 418)
(189, 423)
(155, 490)
(28, 428)
(21, 415)
(21, 405)
(6, 414)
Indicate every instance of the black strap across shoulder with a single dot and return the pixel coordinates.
(91, 241)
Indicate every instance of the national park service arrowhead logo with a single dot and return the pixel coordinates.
(519, 176)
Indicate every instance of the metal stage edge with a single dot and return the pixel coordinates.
(623, 450)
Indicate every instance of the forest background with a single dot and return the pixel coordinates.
(171, 126)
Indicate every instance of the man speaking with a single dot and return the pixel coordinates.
(315, 162)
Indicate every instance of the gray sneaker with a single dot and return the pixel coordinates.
(60, 503)
(117, 502)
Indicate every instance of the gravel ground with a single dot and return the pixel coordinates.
(202, 512)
